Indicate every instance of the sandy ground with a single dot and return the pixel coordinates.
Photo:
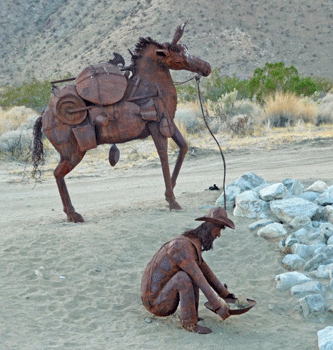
(77, 286)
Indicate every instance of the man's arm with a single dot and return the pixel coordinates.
(184, 256)
(214, 282)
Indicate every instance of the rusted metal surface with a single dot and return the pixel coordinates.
(85, 137)
(66, 100)
(103, 84)
(120, 104)
(177, 271)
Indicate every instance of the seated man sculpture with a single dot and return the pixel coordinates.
(177, 272)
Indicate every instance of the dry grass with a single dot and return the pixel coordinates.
(13, 118)
(283, 109)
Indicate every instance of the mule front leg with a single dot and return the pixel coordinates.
(161, 144)
(183, 148)
(63, 168)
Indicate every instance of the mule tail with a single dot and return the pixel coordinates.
(38, 149)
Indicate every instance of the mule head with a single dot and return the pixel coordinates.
(176, 56)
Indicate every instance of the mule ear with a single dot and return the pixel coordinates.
(162, 53)
(178, 34)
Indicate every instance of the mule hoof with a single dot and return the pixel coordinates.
(75, 217)
(174, 206)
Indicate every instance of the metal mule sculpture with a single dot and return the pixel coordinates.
(109, 104)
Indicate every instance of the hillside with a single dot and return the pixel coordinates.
(47, 39)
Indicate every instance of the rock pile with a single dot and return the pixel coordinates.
(301, 219)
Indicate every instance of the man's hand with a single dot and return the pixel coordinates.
(223, 312)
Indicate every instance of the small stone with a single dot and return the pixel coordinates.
(260, 223)
(295, 187)
(300, 249)
(293, 262)
(300, 221)
(325, 338)
(287, 209)
(286, 280)
(275, 191)
(318, 186)
(326, 198)
(148, 320)
(312, 304)
(272, 231)
(313, 263)
(312, 287)
(323, 271)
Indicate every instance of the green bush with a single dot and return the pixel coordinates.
(276, 77)
(213, 87)
(33, 94)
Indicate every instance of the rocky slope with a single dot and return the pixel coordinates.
(47, 39)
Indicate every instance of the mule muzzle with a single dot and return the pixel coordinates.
(197, 65)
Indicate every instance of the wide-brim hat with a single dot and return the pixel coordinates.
(217, 216)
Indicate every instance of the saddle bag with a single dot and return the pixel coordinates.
(102, 84)
(68, 106)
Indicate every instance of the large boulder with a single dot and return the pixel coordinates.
(272, 231)
(248, 204)
(275, 191)
(295, 187)
(312, 304)
(318, 186)
(326, 198)
(325, 338)
(250, 181)
(287, 209)
(287, 280)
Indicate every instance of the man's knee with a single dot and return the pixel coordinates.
(183, 280)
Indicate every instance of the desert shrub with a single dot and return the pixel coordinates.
(190, 117)
(325, 110)
(276, 77)
(13, 118)
(217, 85)
(237, 116)
(17, 142)
(213, 87)
(286, 109)
(34, 94)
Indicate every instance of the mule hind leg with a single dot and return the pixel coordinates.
(64, 167)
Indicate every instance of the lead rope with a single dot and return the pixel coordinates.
(197, 79)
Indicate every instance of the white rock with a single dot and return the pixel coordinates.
(326, 198)
(323, 271)
(312, 304)
(325, 338)
(318, 186)
(287, 209)
(272, 231)
(260, 223)
(304, 289)
(231, 191)
(293, 262)
(275, 191)
(248, 204)
(286, 280)
(249, 181)
(294, 186)
(314, 263)
(300, 249)
(327, 213)
(300, 221)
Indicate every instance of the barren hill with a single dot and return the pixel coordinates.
(47, 39)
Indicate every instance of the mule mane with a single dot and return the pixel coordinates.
(143, 43)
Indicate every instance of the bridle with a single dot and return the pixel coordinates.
(197, 80)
